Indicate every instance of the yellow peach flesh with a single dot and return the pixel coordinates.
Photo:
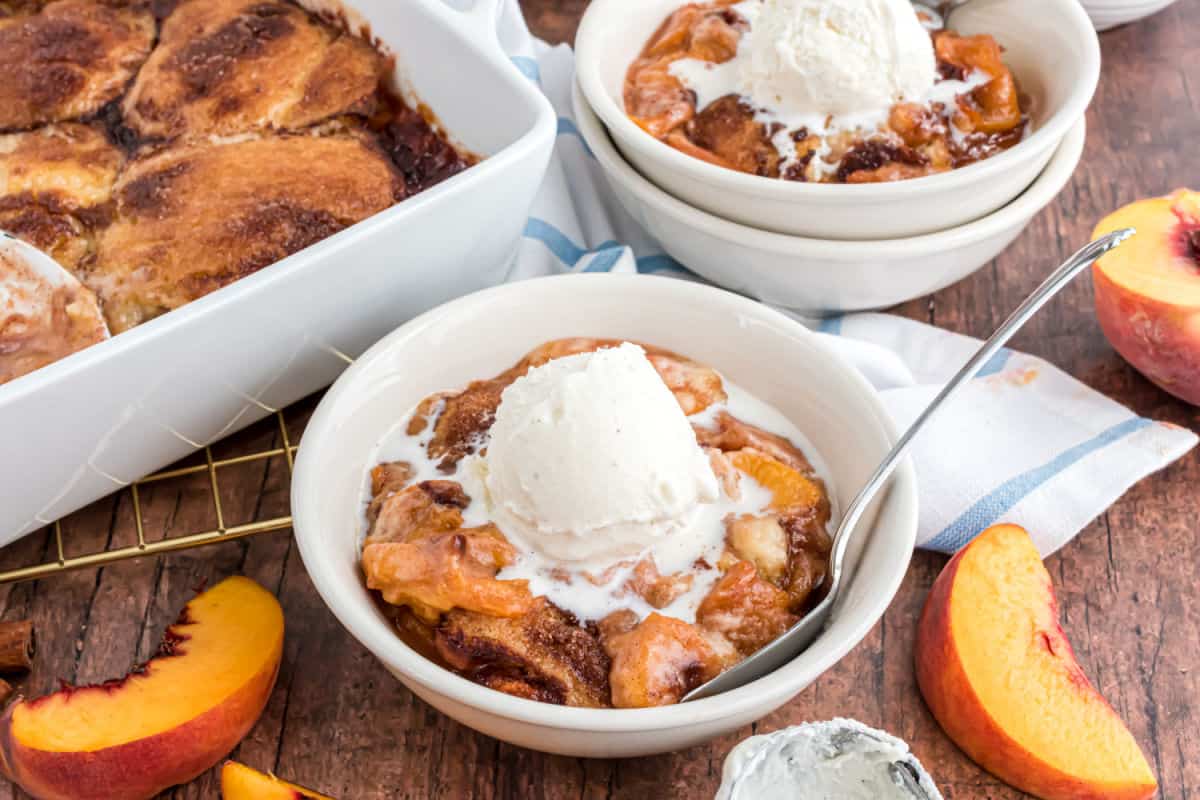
(1058, 714)
(239, 782)
(1156, 263)
(165, 723)
(788, 487)
(212, 666)
(1001, 678)
(1148, 291)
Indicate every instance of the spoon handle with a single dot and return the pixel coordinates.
(1050, 287)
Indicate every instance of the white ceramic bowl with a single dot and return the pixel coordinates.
(1050, 45)
(1106, 14)
(481, 334)
(819, 277)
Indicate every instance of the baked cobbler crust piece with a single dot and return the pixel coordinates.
(69, 59)
(229, 66)
(43, 317)
(56, 187)
(420, 554)
(193, 219)
(544, 654)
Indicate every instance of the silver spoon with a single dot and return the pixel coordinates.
(801, 635)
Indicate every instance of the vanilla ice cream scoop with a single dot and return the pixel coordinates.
(837, 56)
(591, 460)
(812, 59)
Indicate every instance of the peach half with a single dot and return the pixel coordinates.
(164, 723)
(1148, 291)
(239, 782)
(999, 675)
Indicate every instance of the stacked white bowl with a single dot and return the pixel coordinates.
(828, 248)
(1107, 14)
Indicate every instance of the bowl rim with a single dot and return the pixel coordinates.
(1057, 172)
(628, 133)
(900, 504)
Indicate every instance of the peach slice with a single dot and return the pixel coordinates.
(239, 782)
(1148, 291)
(789, 489)
(164, 723)
(999, 675)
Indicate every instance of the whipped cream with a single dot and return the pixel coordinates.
(841, 759)
(679, 522)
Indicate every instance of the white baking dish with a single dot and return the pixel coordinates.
(89, 424)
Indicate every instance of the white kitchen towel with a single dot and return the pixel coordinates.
(1024, 443)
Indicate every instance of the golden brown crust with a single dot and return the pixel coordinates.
(443, 571)
(655, 588)
(69, 60)
(230, 66)
(726, 128)
(243, 205)
(746, 609)
(56, 187)
(544, 655)
(658, 661)
(424, 509)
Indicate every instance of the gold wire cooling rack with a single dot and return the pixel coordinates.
(61, 562)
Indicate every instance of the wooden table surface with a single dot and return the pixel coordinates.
(1127, 585)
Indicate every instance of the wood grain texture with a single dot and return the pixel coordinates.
(1127, 585)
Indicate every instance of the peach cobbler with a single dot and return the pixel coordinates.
(821, 91)
(602, 525)
(162, 149)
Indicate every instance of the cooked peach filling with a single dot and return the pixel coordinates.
(917, 140)
(438, 579)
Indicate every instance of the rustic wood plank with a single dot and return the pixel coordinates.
(339, 722)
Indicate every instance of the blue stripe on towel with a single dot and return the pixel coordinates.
(996, 363)
(649, 265)
(605, 257)
(988, 510)
(528, 67)
(567, 127)
(831, 325)
(606, 253)
(555, 240)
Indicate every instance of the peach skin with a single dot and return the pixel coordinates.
(1148, 291)
(239, 782)
(164, 723)
(999, 675)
